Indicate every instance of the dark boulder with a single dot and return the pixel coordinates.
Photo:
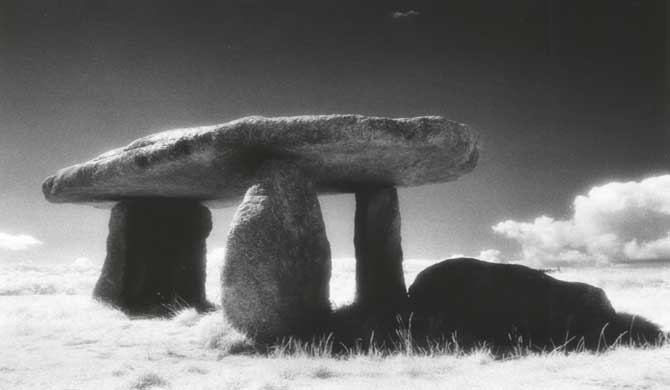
(629, 329)
(507, 305)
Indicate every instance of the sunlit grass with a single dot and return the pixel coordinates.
(63, 341)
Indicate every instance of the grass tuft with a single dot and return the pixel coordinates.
(197, 370)
(319, 347)
(149, 380)
(323, 372)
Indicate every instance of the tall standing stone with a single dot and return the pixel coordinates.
(379, 272)
(155, 256)
(277, 266)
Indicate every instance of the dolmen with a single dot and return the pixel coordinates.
(277, 265)
(275, 279)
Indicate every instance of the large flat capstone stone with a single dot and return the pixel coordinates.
(340, 153)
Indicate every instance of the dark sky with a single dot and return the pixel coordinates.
(565, 94)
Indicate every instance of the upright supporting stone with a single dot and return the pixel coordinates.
(379, 273)
(277, 266)
(155, 256)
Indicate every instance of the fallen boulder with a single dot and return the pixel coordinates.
(507, 306)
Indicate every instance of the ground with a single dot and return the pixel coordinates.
(53, 335)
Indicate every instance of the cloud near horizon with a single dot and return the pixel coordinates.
(403, 15)
(613, 223)
(490, 255)
(18, 242)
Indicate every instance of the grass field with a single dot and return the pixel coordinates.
(53, 336)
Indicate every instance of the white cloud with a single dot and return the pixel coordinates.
(398, 15)
(657, 249)
(492, 255)
(82, 264)
(17, 242)
(215, 257)
(615, 222)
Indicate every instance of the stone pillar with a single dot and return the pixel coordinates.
(379, 274)
(155, 256)
(277, 266)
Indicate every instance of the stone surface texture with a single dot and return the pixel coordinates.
(155, 256)
(275, 279)
(503, 303)
(379, 274)
(340, 153)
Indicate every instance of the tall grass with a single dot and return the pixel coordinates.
(404, 344)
